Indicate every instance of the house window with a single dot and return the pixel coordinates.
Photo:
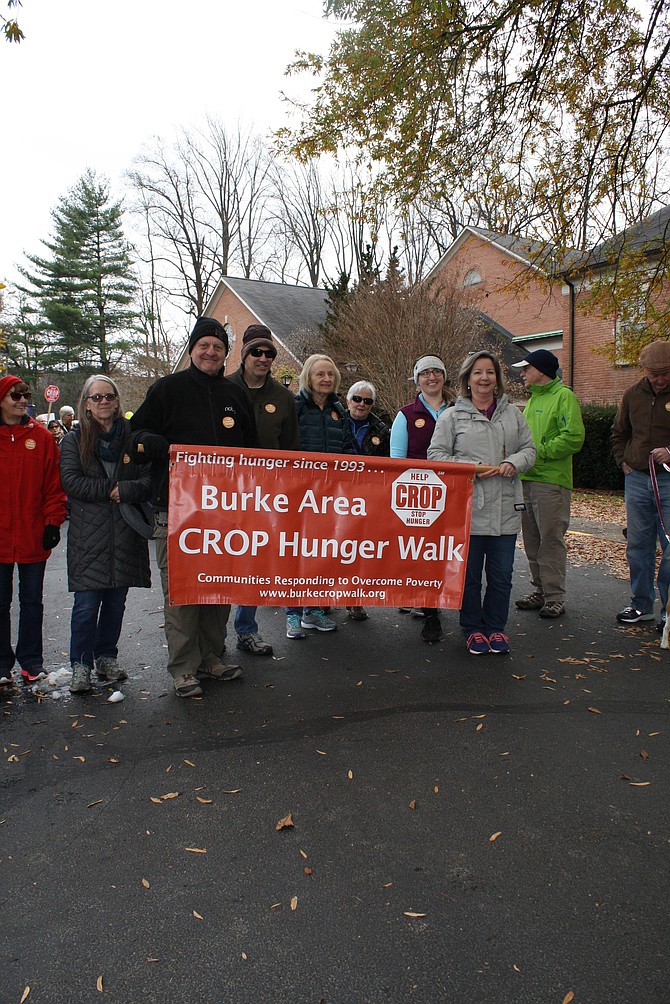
(472, 278)
(631, 322)
(229, 332)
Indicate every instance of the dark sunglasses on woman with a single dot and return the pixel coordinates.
(102, 397)
(361, 400)
(16, 395)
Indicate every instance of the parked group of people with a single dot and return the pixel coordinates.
(109, 468)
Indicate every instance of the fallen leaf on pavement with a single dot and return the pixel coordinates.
(145, 884)
(189, 763)
(98, 984)
(294, 903)
(196, 914)
(204, 801)
(494, 836)
(595, 711)
(25, 995)
(284, 823)
(412, 804)
(410, 913)
(569, 997)
(196, 850)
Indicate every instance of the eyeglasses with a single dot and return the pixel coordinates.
(16, 395)
(102, 397)
(362, 400)
(431, 372)
(268, 353)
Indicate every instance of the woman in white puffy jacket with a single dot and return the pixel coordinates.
(485, 428)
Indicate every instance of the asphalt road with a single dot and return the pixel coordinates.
(482, 830)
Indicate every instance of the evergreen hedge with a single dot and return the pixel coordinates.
(594, 466)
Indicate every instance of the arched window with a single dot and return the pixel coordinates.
(472, 278)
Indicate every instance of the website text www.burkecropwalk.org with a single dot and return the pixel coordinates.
(320, 586)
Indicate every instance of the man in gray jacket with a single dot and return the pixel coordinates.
(277, 428)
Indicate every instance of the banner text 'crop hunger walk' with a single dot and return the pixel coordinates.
(261, 527)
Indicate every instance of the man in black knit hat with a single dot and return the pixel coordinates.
(198, 407)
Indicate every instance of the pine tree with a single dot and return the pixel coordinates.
(86, 288)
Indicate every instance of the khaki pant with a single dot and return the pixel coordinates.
(545, 523)
(196, 634)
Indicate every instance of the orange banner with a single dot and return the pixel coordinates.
(269, 528)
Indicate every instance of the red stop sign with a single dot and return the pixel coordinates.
(52, 393)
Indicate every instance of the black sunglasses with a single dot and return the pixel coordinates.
(16, 395)
(102, 397)
(362, 400)
(268, 353)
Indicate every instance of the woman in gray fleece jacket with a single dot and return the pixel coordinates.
(484, 428)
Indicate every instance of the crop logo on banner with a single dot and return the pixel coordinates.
(418, 497)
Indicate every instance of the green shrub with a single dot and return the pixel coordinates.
(594, 466)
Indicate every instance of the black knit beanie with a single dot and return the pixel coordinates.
(207, 327)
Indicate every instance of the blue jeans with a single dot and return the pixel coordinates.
(245, 620)
(31, 614)
(95, 628)
(496, 554)
(644, 528)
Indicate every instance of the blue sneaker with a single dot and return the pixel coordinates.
(317, 619)
(498, 643)
(478, 644)
(293, 629)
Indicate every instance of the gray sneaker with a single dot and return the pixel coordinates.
(187, 686)
(293, 629)
(317, 619)
(81, 679)
(218, 670)
(109, 670)
(254, 644)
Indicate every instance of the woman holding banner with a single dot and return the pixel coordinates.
(107, 549)
(324, 428)
(410, 435)
(484, 428)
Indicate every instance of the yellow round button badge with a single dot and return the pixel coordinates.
(227, 422)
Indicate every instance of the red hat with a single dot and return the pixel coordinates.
(7, 383)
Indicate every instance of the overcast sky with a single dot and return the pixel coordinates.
(95, 79)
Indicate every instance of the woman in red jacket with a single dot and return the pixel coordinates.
(32, 507)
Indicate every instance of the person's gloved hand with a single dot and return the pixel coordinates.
(51, 537)
(151, 446)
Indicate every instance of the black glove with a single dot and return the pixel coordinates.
(51, 537)
(150, 446)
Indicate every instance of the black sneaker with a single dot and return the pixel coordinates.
(629, 615)
(432, 629)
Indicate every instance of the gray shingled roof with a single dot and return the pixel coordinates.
(647, 237)
(542, 254)
(292, 313)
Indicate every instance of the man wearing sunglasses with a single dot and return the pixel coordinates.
(198, 407)
(32, 508)
(277, 429)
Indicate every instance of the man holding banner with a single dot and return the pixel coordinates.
(202, 408)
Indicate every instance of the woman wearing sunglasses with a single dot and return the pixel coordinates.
(370, 437)
(107, 549)
(32, 508)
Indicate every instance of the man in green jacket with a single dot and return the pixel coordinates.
(555, 421)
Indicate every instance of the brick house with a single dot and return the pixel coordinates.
(292, 313)
(509, 279)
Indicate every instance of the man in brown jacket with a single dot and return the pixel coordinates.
(642, 429)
